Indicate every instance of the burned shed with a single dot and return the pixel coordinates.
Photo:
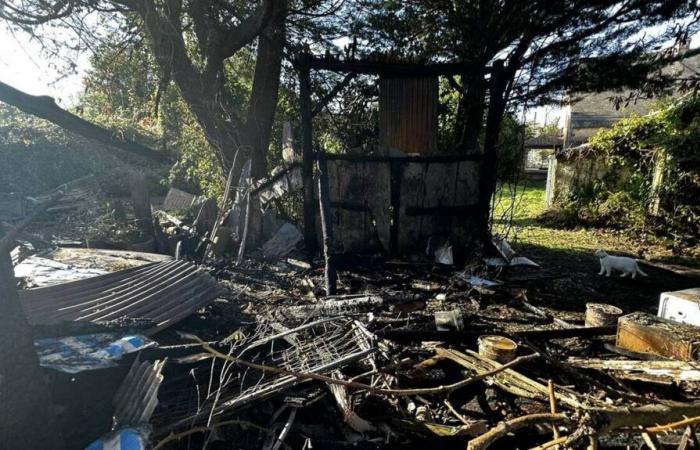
(404, 193)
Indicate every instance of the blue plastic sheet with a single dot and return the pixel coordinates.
(75, 354)
(125, 439)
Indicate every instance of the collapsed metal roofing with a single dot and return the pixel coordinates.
(137, 397)
(161, 293)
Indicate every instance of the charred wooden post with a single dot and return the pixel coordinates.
(326, 224)
(395, 183)
(488, 179)
(307, 168)
(141, 201)
(246, 225)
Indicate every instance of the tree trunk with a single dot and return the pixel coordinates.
(487, 183)
(204, 92)
(26, 413)
(263, 103)
(470, 113)
(263, 98)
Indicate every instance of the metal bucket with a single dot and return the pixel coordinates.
(498, 348)
(601, 315)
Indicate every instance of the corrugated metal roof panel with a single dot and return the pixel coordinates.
(163, 293)
(137, 397)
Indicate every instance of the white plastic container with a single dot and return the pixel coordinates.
(681, 306)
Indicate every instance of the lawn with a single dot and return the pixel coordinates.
(516, 216)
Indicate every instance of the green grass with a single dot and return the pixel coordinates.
(517, 212)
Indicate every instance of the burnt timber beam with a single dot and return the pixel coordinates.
(396, 171)
(404, 335)
(435, 159)
(307, 154)
(266, 183)
(444, 211)
(326, 226)
(385, 68)
(335, 91)
(494, 118)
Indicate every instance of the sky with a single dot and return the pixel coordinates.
(23, 67)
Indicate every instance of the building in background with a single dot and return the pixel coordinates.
(573, 164)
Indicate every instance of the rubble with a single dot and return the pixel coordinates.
(178, 200)
(282, 243)
(416, 351)
(134, 404)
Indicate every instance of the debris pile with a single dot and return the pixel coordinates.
(189, 354)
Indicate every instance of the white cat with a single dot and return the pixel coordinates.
(622, 264)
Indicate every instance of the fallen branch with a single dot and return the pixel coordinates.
(648, 416)
(552, 443)
(487, 439)
(552, 407)
(202, 429)
(356, 385)
(636, 419)
(672, 426)
(7, 240)
(456, 413)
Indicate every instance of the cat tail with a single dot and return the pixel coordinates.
(639, 271)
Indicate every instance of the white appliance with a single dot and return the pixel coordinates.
(681, 306)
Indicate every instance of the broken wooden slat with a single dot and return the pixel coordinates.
(327, 308)
(662, 371)
(403, 335)
(509, 380)
(646, 333)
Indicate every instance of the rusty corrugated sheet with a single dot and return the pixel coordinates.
(408, 114)
(137, 396)
(163, 293)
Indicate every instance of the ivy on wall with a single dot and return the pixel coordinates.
(651, 180)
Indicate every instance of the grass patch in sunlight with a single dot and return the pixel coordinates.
(529, 234)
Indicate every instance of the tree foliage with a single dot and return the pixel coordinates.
(190, 72)
(38, 156)
(548, 45)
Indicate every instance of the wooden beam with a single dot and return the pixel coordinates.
(384, 68)
(307, 168)
(474, 332)
(327, 226)
(141, 201)
(396, 173)
(435, 159)
(494, 118)
(44, 107)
